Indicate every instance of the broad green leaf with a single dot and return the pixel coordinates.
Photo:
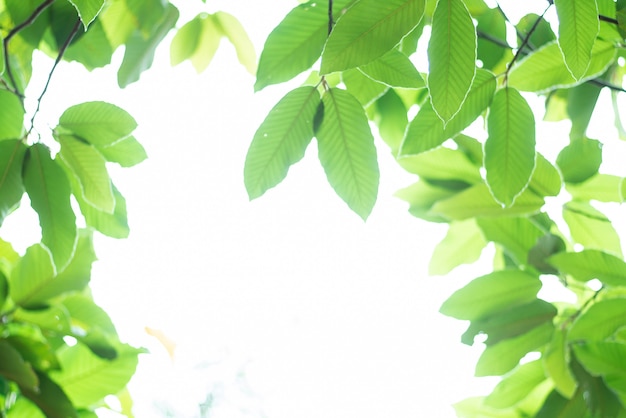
(87, 378)
(517, 385)
(600, 321)
(23, 408)
(451, 57)
(391, 119)
(207, 43)
(13, 367)
(347, 152)
(602, 357)
(578, 27)
(600, 187)
(545, 180)
(11, 117)
(517, 235)
(92, 50)
(118, 22)
(394, 69)
(540, 34)
(89, 167)
(463, 244)
(185, 42)
(470, 147)
(363, 88)
(478, 201)
(113, 225)
(600, 399)
(591, 264)
(147, 14)
(556, 360)
(126, 152)
(87, 315)
(502, 357)
(545, 69)
(580, 160)
(87, 10)
(442, 164)
(295, 44)
(34, 270)
(281, 140)
(49, 192)
(581, 100)
(426, 130)
(491, 22)
(491, 293)
(510, 147)
(558, 406)
(98, 123)
(53, 318)
(139, 52)
(31, 342)
(236, 34)
(11, 186)
(421, 196)
(546, 246)
(368, 30)
(591, 228)
(50, 398)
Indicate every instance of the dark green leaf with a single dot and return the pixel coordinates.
(581, 100)
(50, 398)
(557, 406)
(600, 400)
(11, 185)
(491, 22)
(546, 246)
(541, 33)
(13, 367)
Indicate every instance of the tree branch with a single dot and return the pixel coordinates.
(608, 19)
(331, 22)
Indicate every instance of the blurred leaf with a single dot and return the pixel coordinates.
(392, 119)
(591, 264)
(11, 117)
(347, 152)
(368, 30)
(517, 235)
(126, 152)
(442, 164)
(13, 367)
(491, 22)
(557, 406)
(237, 36)
(32, 272)
(463, 244)
(517, 385)
(98, 123)
(11, 185)
(591, 228)
(50, 398)
(600, 187)
(581, 101)
(451, 57)
(546, 246)
(600, 321)
(545, 180)
(93, 50)
(540, 35)
(88, 10)
(421, 196)
(580, 160)
(475, 408)
(599, 399)
(556, 360)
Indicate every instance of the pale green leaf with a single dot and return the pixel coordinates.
(491, 293)
(98, 123)
(451, 57)
(368, 30)
(591, 228)
(49, 192)
(347, 152)
(421, 196)
(11, 186)
(87, 10)
(517, 235)
(93, 49)
(34, 270)
(591, 264)
(475, 408)
(578, 28)
(185, 41)
(580, 160)
(442, 164)
(118, 22)
(463, 244)
(391, 119)
(394, 69)
(89, 167)
(517, 385)
(281, 140)
(86, 378)
(363, 88)
(602, 357)
(504, 356)
(600, 187)
(11, 117)
(236, 34)
(545, 180)
(139, 52)
(126, 152)
(426, 130)
(510, 147)
(87, 315)
(295, 44)
(478, 201)
(545, 69)
(207, 44)
(600, 321)
(556, 360)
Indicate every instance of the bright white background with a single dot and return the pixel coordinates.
(288, 306)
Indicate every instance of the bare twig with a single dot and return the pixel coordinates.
(608, 19)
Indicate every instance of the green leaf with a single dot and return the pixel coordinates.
(546, 246)
(478, 201)
(126, 152)
(545, 69)
(295, 44)
(11, 117)
(347, 152)
(281, 140)
(421, 196)
(368, 30)
(200, 30)
(510, 147)
(581, 100)
(491, 293)
(475, 408)
(493, 23)
(391, 119)
(558, 406)
(49, 192)
(442, 164)
(600, 187)
(207, 43)
(502, 357)
(31, 342)
(578, 27)
(580, 160)
(601, 401)
(394, 69)
(93, 50)
(556, 359)
(139, 52)
(591, 264)
(363, 88)
(541, 33)
(591, 228)
(89, 167)
(517, 235)
(426, 130)
(602, 357)
(50, 398)
(87, 10)
(98, 123)
(517, 385)
(34, 270)
(545, 180)
(600, 321)
(11, 186)
(236, 34)
(451, 57)
(463, 244)
(87, 378)
(13, 367)
(87, 315)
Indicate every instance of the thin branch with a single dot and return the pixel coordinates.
(54, 66)
(493, 39)
(602, 83)
(608, 19)
(331, 22)
(29, 20)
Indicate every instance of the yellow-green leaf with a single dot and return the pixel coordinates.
(236, 34)
(578, 27)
